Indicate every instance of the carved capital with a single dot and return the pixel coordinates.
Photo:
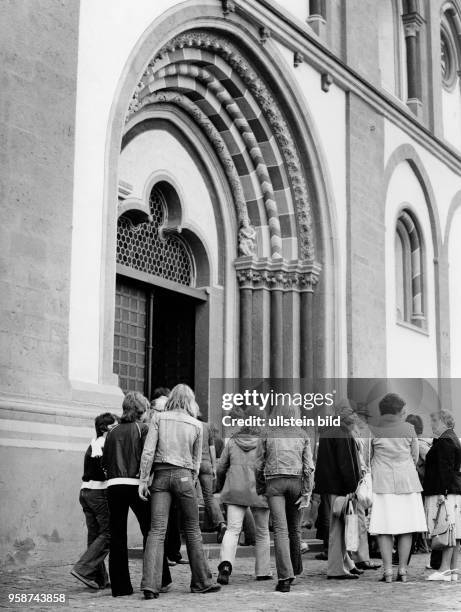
(412, 23)
(277, 275)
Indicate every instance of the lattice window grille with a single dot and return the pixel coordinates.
(143, 247)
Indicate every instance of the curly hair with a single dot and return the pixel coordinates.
(447, 418)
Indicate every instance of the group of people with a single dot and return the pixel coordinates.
(151, 459)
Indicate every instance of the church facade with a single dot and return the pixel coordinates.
(215, 189)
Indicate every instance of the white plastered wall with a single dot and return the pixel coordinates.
(451, 109)
(108, 33)
(445, 184)
(454, 262)
(410, 352)
(156, 153)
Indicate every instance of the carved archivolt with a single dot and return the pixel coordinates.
(221, 150)
(279, 127)
(223, 98)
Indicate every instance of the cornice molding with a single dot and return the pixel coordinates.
(297, 36)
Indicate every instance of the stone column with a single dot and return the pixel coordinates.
(412, 24)
(245, 278)
(276, 357)
(317, 17)
(308, 277)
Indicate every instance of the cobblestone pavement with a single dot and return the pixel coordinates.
(311, 592)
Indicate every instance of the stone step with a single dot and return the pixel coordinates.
(212, 548)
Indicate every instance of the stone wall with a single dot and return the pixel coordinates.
(38, 46)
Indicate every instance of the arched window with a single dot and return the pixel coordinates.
(149, 247)
(409, 271)
(392, 52)
(155, 274)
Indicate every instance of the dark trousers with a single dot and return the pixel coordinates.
(212, 508)
(174, 484)
(91, 563)
(120, 499)
(323, 521)
(282, 493)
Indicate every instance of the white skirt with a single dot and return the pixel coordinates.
(395, 514)
(453, 503)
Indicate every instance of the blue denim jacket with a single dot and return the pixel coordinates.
(284, 456)
(174, 437)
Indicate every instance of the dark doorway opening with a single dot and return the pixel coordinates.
(154, 339)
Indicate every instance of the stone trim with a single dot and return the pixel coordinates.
(257, 274)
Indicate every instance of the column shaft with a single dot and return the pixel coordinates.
(246, 313)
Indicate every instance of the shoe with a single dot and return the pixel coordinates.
(105, 586)
(123, 594)
(387, 576)
(441, 576)
(402, 575)
(367, 565)
(283, 586)
(355, 570)
(92, 584)
(182, 562)
(213, 588)
(225, 570)
(150, 595)
(321, 556)
(348, 576)
(166, 588)
(171, 563)
(261, 578)
(221, 531)
(454, 575)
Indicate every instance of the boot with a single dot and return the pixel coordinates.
(225, 570)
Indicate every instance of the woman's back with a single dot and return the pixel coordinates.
(394, 456)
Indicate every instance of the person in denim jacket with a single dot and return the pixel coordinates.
(173, 449)
(284, 473)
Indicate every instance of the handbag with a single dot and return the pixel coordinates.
(443, 534)
(364, 491)
(351, 528)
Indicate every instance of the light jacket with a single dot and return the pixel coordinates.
(235, 472)
(394, 455)
(175, 438)
(284, 456)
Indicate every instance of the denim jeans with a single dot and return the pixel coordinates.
(235, 516)
(121, 498)
(282, 492)
(173, 535)
(174, 484)
(211, 503)
(91, 563)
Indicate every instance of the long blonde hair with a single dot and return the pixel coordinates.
(182, 398)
